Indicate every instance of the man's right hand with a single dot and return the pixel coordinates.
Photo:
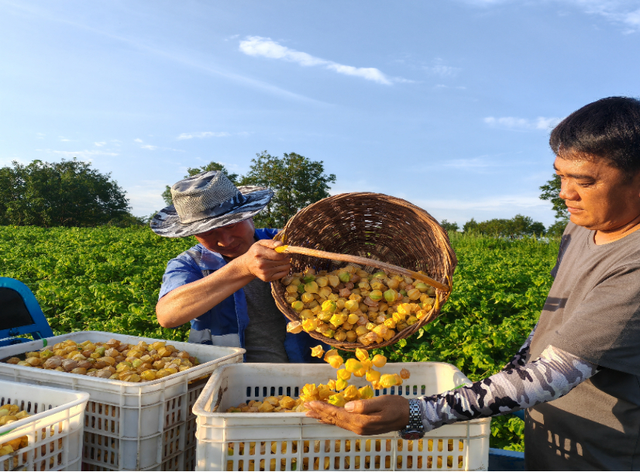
(263, 262)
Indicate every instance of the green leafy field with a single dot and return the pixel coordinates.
(108, 279)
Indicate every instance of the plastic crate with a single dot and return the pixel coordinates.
(131, 426)
(53, 429)
(291, 441)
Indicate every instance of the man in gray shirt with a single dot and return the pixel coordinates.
(578, 373)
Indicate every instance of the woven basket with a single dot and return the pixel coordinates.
(374, 226)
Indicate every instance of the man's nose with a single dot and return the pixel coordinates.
(224, 238)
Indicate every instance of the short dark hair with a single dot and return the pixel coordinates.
(607, 128)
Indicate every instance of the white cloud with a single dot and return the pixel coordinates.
(441, 70)
(149, 147)
(40, 135)
(138, 140)
(616, 11)
(100, 143)
(510, 122)
(265, 47)
(63, 139)
(204, 134)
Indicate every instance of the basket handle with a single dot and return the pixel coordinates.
(362, 261)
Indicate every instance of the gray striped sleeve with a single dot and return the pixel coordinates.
(550, 376)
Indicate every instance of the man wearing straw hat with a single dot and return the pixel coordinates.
(578, 373)
(222, 285)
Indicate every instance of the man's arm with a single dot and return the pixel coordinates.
(550, 376)
(189, 301)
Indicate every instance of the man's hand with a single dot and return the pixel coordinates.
(263, 262)
(365, 417)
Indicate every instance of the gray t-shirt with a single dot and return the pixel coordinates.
(592, 312)
(264, 336)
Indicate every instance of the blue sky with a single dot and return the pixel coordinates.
(447, 104)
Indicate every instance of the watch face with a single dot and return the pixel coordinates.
(411, 434)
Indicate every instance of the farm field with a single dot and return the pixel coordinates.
(108, 279)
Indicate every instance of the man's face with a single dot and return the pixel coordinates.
(230, 241)
(598, 195)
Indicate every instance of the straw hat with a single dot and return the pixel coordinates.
(207, 201)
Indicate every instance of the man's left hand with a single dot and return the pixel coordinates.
(365, 417)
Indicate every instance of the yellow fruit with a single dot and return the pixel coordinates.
(334, 361)
(352, 365)
(337, 400)
(317, 351)
(373, 376)
(388, 380)
(362, 354)
(294, 327)
(343, 374)
(365, 392)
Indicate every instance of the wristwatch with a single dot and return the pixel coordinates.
(415, 428)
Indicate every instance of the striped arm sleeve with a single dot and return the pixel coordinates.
(550, 376)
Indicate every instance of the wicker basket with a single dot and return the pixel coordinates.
(375, 226)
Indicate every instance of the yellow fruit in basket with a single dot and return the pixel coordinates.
(329, 306)
(309, 325)
(351, 336)
(297, 306)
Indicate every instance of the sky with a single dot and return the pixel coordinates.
(447, 104)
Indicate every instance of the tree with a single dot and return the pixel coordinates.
(296, 181)
(67, 193)
(551, 192)
(453, 227)
(515, 227)
(191, 171)
(470, 226)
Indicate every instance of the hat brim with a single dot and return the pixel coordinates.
(167, 222)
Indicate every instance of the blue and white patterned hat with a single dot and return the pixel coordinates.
(208, 201)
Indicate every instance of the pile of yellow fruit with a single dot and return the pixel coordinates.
(355, 306)
(338, 391)
(10, 413)
(111, 360)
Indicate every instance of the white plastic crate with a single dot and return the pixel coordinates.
(291, 441)
(53, 430)
(131, 426)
